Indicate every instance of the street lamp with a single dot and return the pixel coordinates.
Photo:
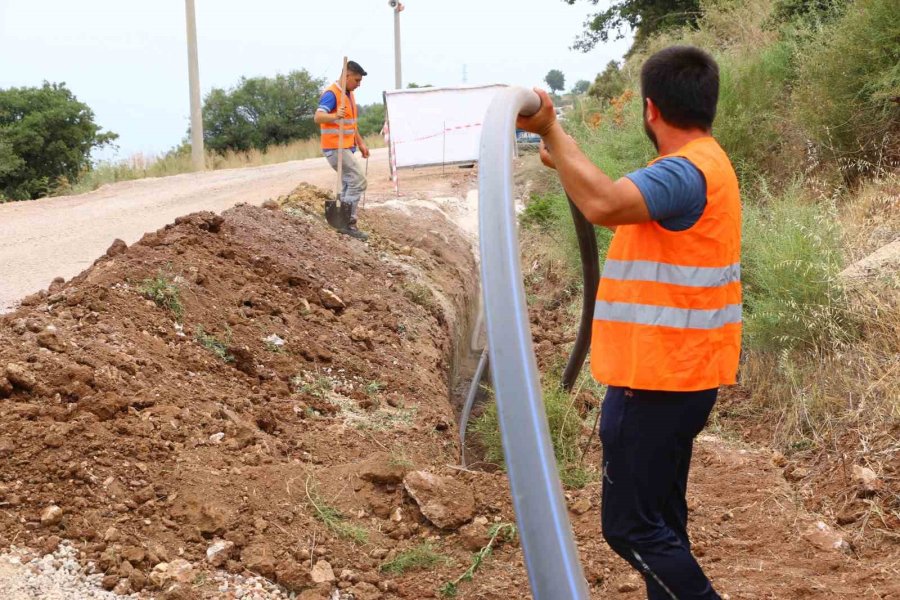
(398, 8)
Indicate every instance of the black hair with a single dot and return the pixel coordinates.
(683, 82)
(353, 67)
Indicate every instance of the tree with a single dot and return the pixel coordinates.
(415, 86)
(556, 80)
(46, 139)
(261, 111)
(608, 84)
(371, 118)
(645, 17)
(581, 86)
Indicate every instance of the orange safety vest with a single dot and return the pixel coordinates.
(331, 131)
(668, 312)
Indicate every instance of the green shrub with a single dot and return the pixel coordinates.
(609, 83)
(751, 118)
(565, 431)
(540, 211)
(799, 11)
(848, 79)
(793, 297)
(550, 213)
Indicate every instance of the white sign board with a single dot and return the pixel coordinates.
(433, 126)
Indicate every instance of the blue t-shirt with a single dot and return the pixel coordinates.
(674, 190)
(328, 103)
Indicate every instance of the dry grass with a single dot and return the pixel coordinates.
(140, 166)
(872, 218)
(837, 383)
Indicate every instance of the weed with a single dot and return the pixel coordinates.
(214, 344)
(373, 388)
(575, 475)
(421, 557)
(750, 122)
(847, 84)
(503, 531)
(164, 292)
(314, 386)
(539, 212)
(566, 425)
(332, 517)
(420, 294)
(791, 260)
(380, 420)
(274, 347)
(400, 460)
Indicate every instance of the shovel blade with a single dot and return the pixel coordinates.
(337, 216)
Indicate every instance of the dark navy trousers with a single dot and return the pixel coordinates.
(647, 439)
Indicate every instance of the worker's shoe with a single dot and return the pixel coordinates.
(352, 231)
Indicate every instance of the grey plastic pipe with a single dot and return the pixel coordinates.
(551, 557)
(470, 402)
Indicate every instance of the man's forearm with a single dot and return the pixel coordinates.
(323, 117)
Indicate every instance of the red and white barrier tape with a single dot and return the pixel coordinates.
(440, 133)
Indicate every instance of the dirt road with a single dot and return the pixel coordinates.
(60, 237)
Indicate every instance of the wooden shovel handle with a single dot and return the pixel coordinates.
(340, 151)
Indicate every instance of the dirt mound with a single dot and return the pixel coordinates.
(209, 394)
(305, 197)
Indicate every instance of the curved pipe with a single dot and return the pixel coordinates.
(590, 272)
(554, 570)
(470, 402)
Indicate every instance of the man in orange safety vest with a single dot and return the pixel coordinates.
(337, 112)
(667, 322)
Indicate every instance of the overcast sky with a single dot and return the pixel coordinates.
(127, 59)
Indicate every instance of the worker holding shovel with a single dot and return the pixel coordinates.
(337, 116)
(667, 321)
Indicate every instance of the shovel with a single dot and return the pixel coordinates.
(337, 213)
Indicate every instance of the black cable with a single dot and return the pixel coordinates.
(590, 270)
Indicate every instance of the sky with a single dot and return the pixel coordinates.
(127, 59)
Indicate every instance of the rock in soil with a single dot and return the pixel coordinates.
(322, 572)
(443, 500)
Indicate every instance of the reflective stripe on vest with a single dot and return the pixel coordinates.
(667, 316)
(668, 311)
(648, 270)
(348, 126)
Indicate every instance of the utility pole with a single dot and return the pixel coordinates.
(398, 8)
(198, 156)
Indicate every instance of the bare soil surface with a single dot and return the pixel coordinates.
(291, 416)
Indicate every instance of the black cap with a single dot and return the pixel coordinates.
(354, 67)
